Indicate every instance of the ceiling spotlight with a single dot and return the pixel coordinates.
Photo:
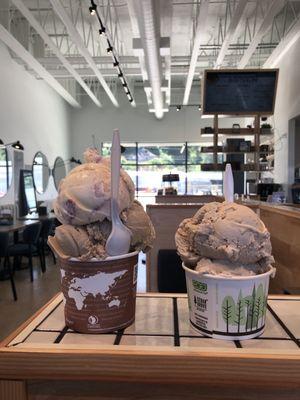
(17, 145)
(131, 100)
(116, 63)
(93, 9)
(178, 108)
(199, 108)
(126, 90)
(109, 49)
(102, 30)
(122, 80)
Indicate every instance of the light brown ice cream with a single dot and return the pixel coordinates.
(89, 241)
(227, 268)
(83, 208)
(84, 194)
(225, 231)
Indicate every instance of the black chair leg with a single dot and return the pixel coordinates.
(12, 282)
(42, 259)
(53, 255)
(30, 267)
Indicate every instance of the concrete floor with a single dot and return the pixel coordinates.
(33, 295)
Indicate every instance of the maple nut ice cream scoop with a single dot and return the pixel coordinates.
(83, 208)
(225, 238)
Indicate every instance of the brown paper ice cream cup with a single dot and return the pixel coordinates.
(99, 295)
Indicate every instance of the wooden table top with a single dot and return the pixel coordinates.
(159, 346)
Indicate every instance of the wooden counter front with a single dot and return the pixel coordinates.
(166, 219)
(158, 357)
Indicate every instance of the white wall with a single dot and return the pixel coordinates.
(287, 107)
(137, 124)
(32, 112)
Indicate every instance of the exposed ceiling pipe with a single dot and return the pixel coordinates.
(150, 35)
(200, 29)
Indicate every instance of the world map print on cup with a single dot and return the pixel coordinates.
(100, 295)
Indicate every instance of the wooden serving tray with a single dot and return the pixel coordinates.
(159, 356)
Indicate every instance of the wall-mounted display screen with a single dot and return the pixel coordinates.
(243, 92)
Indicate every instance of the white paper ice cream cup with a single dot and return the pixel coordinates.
(232, 308)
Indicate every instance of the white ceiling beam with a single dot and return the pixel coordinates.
(77, 40)
(273, 10)
(201, 25)
(234, 22)
(283, 46)
(17, 48)
(35, 24)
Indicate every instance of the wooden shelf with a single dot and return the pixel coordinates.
(215, 149)
(240, 132)
(221, 167)
(209, 150)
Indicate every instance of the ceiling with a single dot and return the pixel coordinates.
(161, 47)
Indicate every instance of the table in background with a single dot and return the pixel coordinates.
(16, 226)
(158, 357)
(37, 217)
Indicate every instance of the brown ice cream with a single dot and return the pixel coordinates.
(83, 208)
(226, 234)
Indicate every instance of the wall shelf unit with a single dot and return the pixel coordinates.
(253, 149)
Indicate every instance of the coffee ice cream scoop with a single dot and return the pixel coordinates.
(89, 241)
(224, 231)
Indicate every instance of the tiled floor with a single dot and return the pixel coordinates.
(33, 295)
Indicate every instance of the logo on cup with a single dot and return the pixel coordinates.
(93, 320)
(200, 287)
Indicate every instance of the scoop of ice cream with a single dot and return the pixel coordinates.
(228, 269)
(140, 225)
(74, 241)
(92, 155)
(89, 240)
(84, 195)
(224, 231)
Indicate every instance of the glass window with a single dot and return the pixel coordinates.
(147, 162)
(196, 156)
(156, 153)
(204, 182)
(5, 171)
(150, 180)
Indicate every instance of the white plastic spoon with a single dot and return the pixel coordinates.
(228, 184)
(118, 241)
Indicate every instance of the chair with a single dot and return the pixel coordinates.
(28, 247)
(4, 243)
(47, 229)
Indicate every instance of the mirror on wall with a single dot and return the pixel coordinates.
(59, 171)
(5, 171)
(41, 172)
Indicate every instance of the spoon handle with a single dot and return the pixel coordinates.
(228, 185)
(115, 172)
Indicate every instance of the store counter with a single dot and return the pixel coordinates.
(158, 357)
